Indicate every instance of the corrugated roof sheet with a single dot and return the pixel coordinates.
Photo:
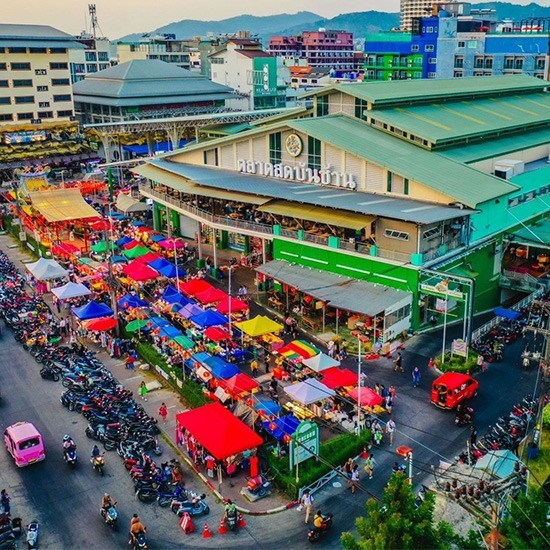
(8, 30)
(341, 292)
(458, 181)
(40, 43)
(380, 93)
(421, 212)
(541, 230)
(440, 122)
(145, 99)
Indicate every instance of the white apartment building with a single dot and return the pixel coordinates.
(413, 8)
(98, 54)
(160, 48)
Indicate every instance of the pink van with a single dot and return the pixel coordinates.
(24, 443)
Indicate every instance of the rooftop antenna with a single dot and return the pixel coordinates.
(93, 20)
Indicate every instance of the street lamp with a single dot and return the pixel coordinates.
(359, 360)
(176, 264)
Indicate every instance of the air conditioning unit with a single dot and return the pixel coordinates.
(504, 172)
(517, 165)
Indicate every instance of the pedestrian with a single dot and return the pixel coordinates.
(307, 503)
(163, 412)
(377, 388)
(390, 429)
(5, 501)
(369, 466)
(398, 361)
(347, 469)
(143, 390)
(473, 435)
(354, 478)
(254, 367)
(63, 326)
(480, 362)
(431, 363)
(416, 377)
(330, 350)
(391, 391)
(130, 362)
(389, 403)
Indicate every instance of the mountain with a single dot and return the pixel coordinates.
(359, 23)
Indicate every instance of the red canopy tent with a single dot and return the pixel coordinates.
(129, 245)
(64, 249)
(217, 334)
(368, 397)
(102, 324)
(240, 383)
(236, 305)
(211, 295)
(194, 287)
(146, 258)
(219, 431)
(140, 272)
(337, 378)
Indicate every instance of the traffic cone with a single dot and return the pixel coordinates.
(242, 523)
(206, 534)
(222, 530)
(364, 454)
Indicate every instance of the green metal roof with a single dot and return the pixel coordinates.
(534, 179)
(541, 229)
(458, 181)
(441, 122)
(227, 129)
(490, 148)
(401, 91)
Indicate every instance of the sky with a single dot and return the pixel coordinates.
(120, 17)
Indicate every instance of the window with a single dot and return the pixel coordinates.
(43, 104)
(458, 74)
(58, 50)
(41, 88)
(313, 153)
(322, 105)
(461, 44)
(38, 50)
(25, 116)
(406, 186)
(431, 75)
(65, 113)
(3, 67)
(24, 99)
(395, 316)
(62, 97)
(216, 61)
(58, 66)
(459, 62)
(429, 48)
(431, 233)
(4, 84)
(60, 82)
(518, 63)
(23, 83)
(389, 177)
(20, 66)
(5, 100)
(488, 62)
(40, 71)
(91, 56)
(395, 234)
(45, 114)
(432, 60)
(360, 107)
(17, 50)
(4, 117)
(430, 30)
(275, 148)
(415, 48)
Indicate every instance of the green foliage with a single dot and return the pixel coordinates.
(457, 363)
(335, 451)
(526, 527)
(546, 416)
(395, 523)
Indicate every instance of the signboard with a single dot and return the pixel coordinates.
(459, 347)
(24, 137)
(265, 76)
(304, 443)
(442, 288)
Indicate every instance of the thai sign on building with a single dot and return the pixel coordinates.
(301, 172)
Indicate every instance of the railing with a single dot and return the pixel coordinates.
(522, 281)
(393, 255)
(315, 239)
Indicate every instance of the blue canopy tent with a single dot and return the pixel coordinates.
(220, 368)
(129, 300)
(119, 259)
(171, 271)
(158, 264)
(285, 425)
(159, 322)
(124, 240)
(92, 310)
(209, 319)
(138, 224)
(189, 310)
(158, 237)
(267, 405)
(172, 296)
(170, 332)
(507, 313)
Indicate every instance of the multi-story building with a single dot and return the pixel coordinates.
(259, 78)
(322, 48)
(163, 48)
(410, 9)
(395, 201)
(96, 56)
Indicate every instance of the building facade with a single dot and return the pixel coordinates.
(410, 9)
(403, 186)
(94, 57)
(162, 48)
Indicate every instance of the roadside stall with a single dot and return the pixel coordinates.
(239, 385)
(211, 296)
(335, 378)
(369, 401)
(194, 287)
(70, 290)
(233, 306)
(209, 318)
(307, 398)
(320, 362)
(259, 332)
(131, 301)
(46, 270)
(92, 310)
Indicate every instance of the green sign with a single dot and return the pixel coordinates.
(304, 443)
(265, 76)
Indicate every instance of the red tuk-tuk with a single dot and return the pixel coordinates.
(452, 388)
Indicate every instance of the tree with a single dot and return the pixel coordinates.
(397, 523)
(526, 526)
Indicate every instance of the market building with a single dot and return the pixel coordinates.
(390, 200)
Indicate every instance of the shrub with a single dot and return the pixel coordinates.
(457, 363)
(546, 416)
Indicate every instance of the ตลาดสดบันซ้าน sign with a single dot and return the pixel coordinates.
(324, 176)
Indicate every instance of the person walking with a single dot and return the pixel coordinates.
(389, 404)
(416, 377)
(143, 390)
(480, 362)
(130, 360)
(307, 503)
(398, 361)
(347, 469)
(163, 412)
(369, 466)
(5, 501)
(354, 478)
(390, 429)
(254, 367)
(473, 435)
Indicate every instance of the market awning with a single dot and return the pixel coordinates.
(194, 287)
(366, 397)
(319, 214)
(337, 291)
(209, 318)
(70, 290)
(320, 362)
(165, 178)
(259, 326)
(92, 310)
(338, 378)
(219, 431)
(45, 269)
(60, 205)
(229, 195)
(510, 314)
(240, 383)
(127, 204)
(232, 305)
(308, 391)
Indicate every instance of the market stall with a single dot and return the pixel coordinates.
(306, 393)
(239, 384)
(92, 310)
(194, 287)
(209, 318)
(258, 326)
(320, 362)
(129, 301)
(335, 377)
(70, 290)
(211, 295)
(45, 270)
(233, 305)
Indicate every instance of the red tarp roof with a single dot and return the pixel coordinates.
(236, 305)
(219, 431)
(240, 383)
(217, 334)
(194, 287)
(211, 295)
(146, 258)
(140, 272)
(336, 378)
(368, 397)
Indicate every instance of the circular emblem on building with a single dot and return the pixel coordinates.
(294, 145)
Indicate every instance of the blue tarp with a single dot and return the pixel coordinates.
(124, 240)
(201, 357)
(131, 301)
(119, 259)
(507, 313)
(138, 224)
(92, 310)
(160, 322)
(170, 332)
(209, 319)
(267, 405)
(167, 269)
(158, 238)
(220, 368)
(285, 425)
(158, 147)
(172, 296)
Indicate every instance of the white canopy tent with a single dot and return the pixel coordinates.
(309, 391)
(70, 290)
(127, 204)
(320, 362)
(44, 270)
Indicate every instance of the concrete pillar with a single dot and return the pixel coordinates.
(199, 242)
(215, 247)
(169, 221)
(106, 142)
(150, 144)
(173, 135)
(264, 252)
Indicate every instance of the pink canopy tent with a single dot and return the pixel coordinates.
(139, 272)
(368, 397)
(170, 244)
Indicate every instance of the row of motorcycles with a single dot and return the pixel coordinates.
(491, 345)
(114, 418)
(507, 432)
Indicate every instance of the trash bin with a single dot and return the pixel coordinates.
(532, 451)
(214, 273)
(200, 263)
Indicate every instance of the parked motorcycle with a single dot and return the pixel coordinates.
(32, 534)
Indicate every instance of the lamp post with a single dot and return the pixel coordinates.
(229, 294)
(176, 264)
(445, 324)
(358, 428)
